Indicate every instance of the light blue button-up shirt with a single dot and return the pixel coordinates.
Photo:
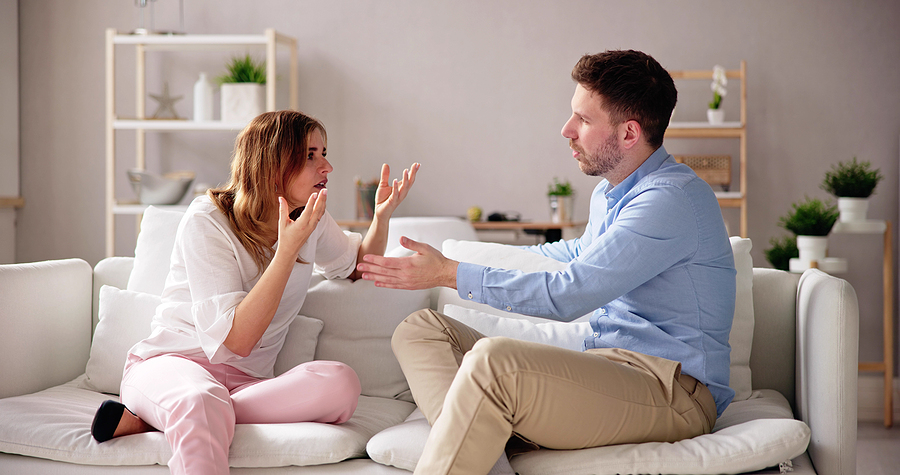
(654, 266)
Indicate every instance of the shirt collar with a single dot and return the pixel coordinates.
(650, 165)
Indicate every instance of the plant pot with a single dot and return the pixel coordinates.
(561, 208)
(715, 116)
(853, 210)
(812, 249)
(242, 101)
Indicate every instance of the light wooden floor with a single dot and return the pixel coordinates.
(877, 449)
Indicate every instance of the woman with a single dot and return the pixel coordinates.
(239, 274)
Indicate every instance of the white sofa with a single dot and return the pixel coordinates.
(799, 414)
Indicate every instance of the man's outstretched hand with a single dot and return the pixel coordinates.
(425, 269)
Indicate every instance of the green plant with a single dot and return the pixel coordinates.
(811, 217)
(244, 70)
(851, 179)
(560, 189)
(782, 251)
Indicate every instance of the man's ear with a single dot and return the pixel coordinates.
(633, 132)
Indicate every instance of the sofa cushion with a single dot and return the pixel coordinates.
(125, 318)
(153, 250)
(508, 257)
(359, 322)
(751, 435)
(568, 335)
(55, 424)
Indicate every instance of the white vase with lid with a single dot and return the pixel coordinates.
(203, 99)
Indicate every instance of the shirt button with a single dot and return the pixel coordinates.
(470, 296)
(596, 335)
(508, 308)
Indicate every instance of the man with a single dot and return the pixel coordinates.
(654, 265)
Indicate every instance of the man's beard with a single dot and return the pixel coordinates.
(603, 161)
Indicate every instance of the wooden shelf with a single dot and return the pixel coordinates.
(269, 41)
(12, 202)
(727, 130)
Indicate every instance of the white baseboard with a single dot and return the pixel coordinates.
(871, 398)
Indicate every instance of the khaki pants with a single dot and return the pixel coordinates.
(477, 392)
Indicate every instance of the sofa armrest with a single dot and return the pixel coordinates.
(827, 369)
(46, 324)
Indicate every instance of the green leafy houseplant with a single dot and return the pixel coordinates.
(851, 179)
(560, 189)
(782, 251)
(811, 217)
(244, 70)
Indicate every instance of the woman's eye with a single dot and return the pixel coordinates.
(310, 157)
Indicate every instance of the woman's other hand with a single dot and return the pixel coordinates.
(292, 234)
(391, 193)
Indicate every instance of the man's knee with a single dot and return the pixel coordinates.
(491, 357)
(414, 326)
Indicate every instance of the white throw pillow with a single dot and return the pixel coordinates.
(359, 322)
(153, 250)
(125, 318)
(741, 336)
(569, 335)
(508, 257)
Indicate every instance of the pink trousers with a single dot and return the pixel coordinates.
(196, 403)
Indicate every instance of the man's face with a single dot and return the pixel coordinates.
(593, 139)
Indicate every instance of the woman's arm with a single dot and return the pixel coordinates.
(388, 196)
(255, 312)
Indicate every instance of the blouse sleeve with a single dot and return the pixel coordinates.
(336, 250)
(216, 280)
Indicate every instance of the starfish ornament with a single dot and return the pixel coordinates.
(166, 108)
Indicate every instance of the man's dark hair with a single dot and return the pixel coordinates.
(633, 86)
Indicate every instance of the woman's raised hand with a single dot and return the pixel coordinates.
(292, 234)
(391, 193)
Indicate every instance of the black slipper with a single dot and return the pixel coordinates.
(106, 420)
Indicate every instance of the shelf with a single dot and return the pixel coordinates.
(861, 227)
(11, 202)
(185, 42)
(704, 130)
(175, 125)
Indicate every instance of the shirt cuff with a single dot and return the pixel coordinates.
(469, 281)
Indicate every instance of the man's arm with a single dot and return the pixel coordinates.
(425, 269)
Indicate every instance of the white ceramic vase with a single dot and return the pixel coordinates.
(203, 99)
(812, 248)
(715, 116)
(853, 210)
(242, 101)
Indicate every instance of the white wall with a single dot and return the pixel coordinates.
(477, 91)
(9, 125)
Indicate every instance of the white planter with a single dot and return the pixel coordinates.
(242, 101)
(853, 210)
(812, 248)
(715, 116)
(203, 99)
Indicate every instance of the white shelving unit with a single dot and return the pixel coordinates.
(733, 130)
(269, 41)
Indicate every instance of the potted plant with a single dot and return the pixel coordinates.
(811, 220)
(562, 202)
(243, 90)
(782, 251)
(715, 114)
(852, 183)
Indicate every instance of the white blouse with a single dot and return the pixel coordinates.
(211, 272)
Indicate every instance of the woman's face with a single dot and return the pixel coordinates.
(314, 175)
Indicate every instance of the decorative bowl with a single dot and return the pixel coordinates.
(153, 189)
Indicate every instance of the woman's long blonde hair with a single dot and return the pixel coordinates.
(268, 153)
